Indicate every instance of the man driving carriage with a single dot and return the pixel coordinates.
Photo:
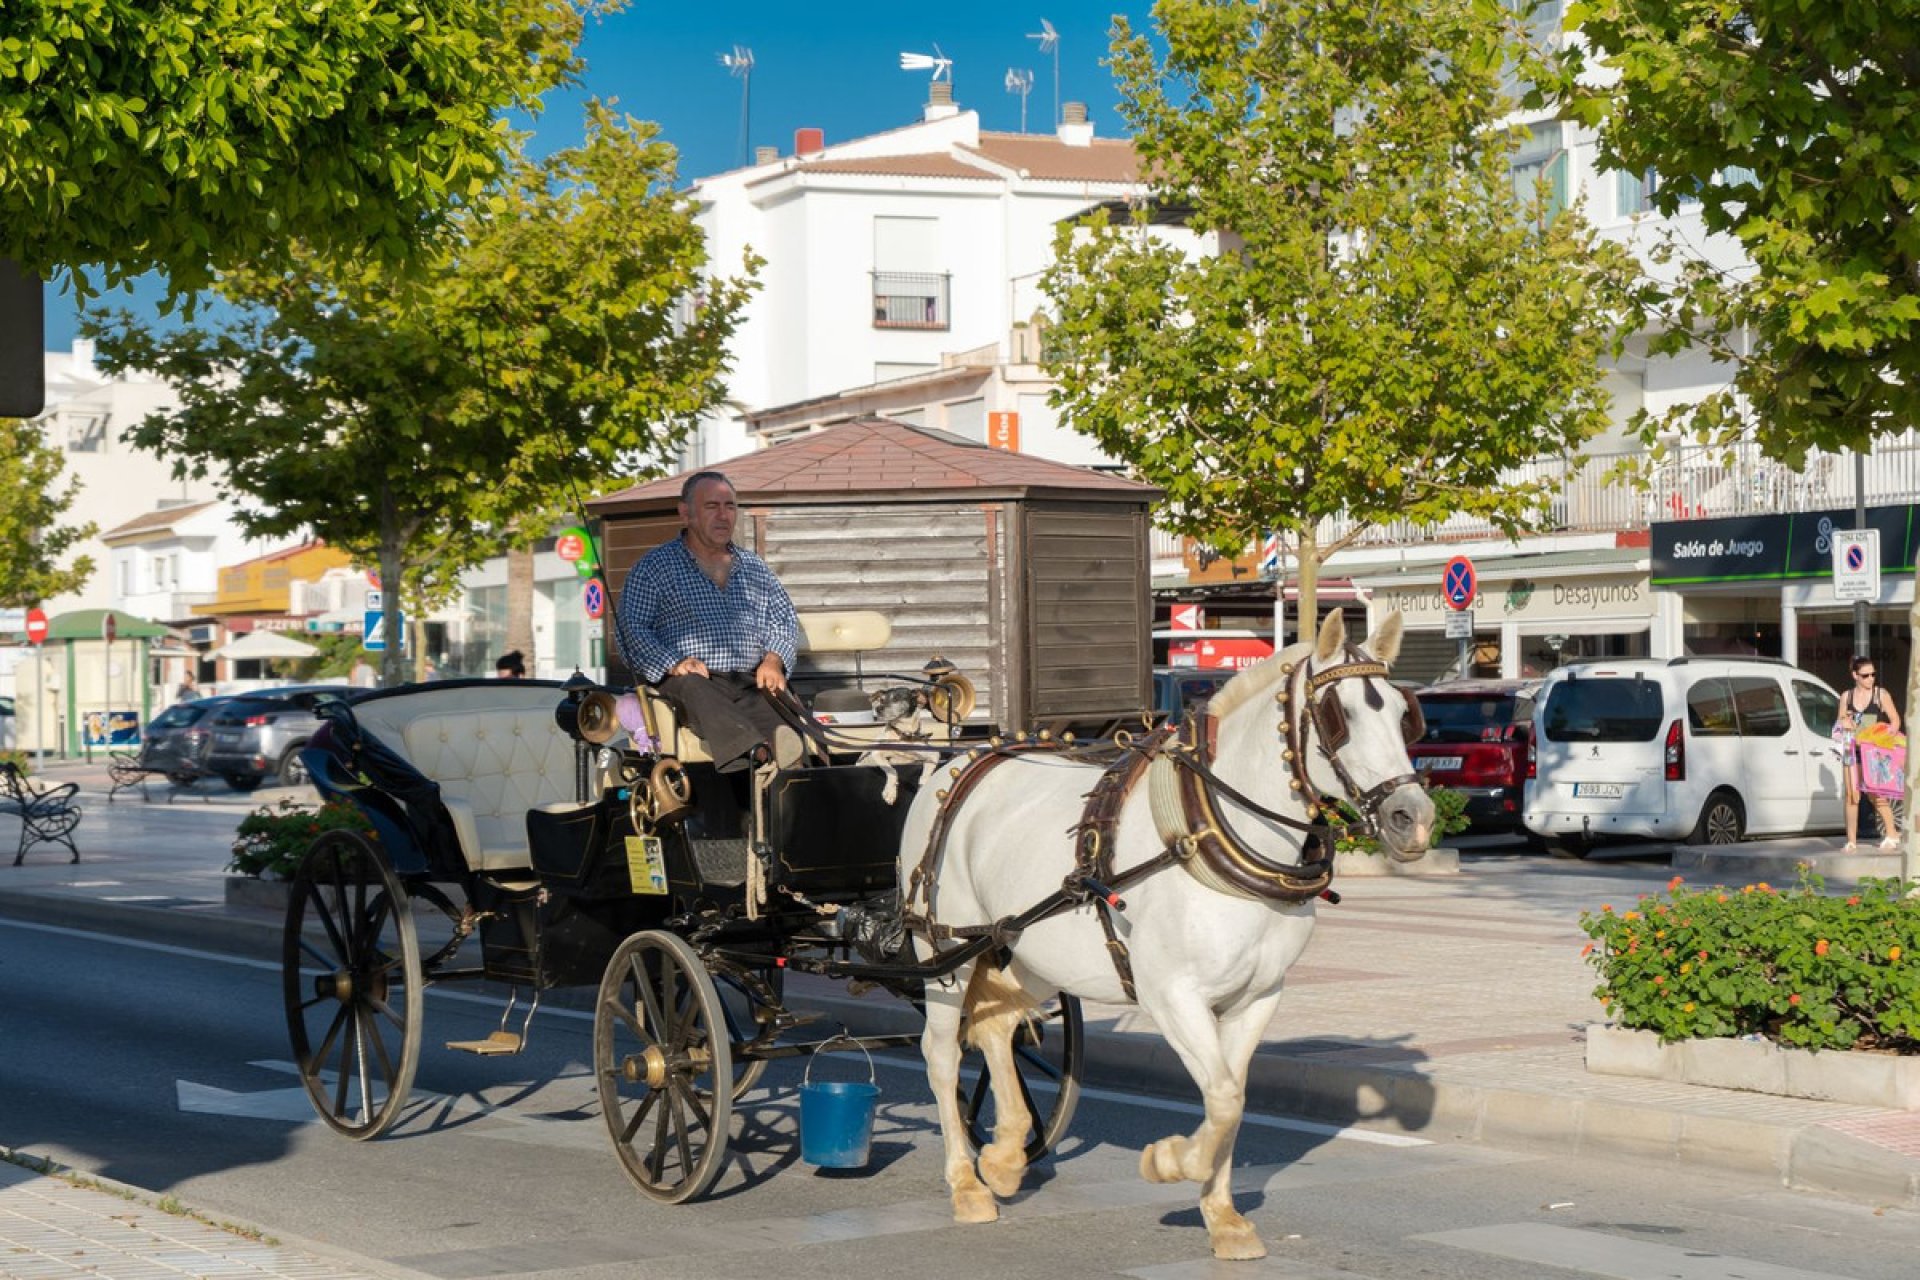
(710, 624)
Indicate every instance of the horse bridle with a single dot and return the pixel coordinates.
(1304, 703)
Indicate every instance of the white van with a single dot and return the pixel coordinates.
(1709, 750)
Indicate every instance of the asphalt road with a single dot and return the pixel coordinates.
(166, 1068)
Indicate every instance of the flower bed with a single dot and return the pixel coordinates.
(1799, 967)
(271, 841)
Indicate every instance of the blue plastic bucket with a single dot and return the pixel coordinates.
(836, 1118)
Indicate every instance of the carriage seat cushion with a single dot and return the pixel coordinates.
(495, 753)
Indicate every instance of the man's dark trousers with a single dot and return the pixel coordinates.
(728, 711)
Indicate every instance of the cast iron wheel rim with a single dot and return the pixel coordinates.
(350, 969)
(659, 1045)
(1050, 1054)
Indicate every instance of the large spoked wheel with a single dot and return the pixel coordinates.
(350, 962)
(1050, 1052)
(660, 1045)
(743, 1020)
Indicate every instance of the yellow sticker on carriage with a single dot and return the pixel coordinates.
(646, 864)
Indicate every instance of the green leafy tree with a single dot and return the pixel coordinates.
(193, 135)
(1374, 323)
(32, 500)
(412, 418)
(1788, 124)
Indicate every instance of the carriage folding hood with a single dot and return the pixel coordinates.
(1650, 748)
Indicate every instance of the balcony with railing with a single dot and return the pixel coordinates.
(911, 300)
(1627, 491)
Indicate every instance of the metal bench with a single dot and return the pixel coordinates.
(128, 769)
(47, 815)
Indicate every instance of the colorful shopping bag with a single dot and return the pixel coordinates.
(1883, 762)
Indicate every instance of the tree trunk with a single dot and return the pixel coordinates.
(520, 604)
(393, 668)
(1309, 601)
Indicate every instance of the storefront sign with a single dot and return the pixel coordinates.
(1526, 600)
(1773, 547)
(110, 729)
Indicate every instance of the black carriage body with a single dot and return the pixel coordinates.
(832, 833)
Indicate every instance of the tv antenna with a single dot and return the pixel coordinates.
(1050, 43)
(1020, 82)
(937, 62)
(739, 64)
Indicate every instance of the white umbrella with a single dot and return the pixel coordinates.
(265, 644)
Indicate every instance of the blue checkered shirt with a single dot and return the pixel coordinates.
(669, 610)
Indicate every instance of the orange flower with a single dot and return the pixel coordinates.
(1659, 979)
(1854, 901)
(1586, 951)
(1631, 915)
(1720, 897)
(1794, 998)
(1893, 954)
(1675, 883)
(1820, 947)
(1606, 908)
(1687, 1007)
(1765, 887)
(1703, 955)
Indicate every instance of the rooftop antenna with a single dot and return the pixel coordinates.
(937, 62)
(739, 64)
(1050, 43)
(1020, 82)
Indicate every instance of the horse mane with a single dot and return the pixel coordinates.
(1257, 680)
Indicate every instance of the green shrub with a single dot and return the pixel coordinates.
(1449, 818)
(21, 760)
(1799, 967)
(271, 841)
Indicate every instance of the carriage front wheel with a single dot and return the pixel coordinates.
(350, 964)
(660, 1044)
(1049, 1051)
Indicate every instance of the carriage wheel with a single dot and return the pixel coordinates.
(660, 1044)
(350, 967)
(1050, 1052)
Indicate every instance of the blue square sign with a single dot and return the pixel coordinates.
(373, 631)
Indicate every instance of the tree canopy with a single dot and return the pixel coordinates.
(192, 135)
(566, 331)
(32, 542)
(1374, 322)
(1790, 124)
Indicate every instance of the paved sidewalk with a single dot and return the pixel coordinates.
(1453, 1007)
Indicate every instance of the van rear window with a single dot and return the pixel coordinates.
(1602, 710)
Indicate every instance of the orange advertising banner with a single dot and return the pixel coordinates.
(1003, 431)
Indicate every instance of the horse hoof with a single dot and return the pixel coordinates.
(974, 1205)
(1160, 1162)
(1002, 1176)
(1238, 1246)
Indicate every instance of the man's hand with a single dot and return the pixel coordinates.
(688, 667)
(771, 674)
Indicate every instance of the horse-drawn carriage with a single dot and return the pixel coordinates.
(589, 841)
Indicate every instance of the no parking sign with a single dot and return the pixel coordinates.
(1459, 583)
(594, 596)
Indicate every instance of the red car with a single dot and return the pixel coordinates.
(1478, 740)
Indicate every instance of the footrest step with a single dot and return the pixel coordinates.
(495, 1045)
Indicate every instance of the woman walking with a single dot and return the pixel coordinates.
(1865, 704)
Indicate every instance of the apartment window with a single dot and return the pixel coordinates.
(1545, 21)
(1540, 158)
(910, 291)
(1633, 192)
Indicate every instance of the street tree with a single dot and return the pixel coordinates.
(565, 333)
(1789, 124)
(1787, 127)
(196, 135)
(33, 544)
(1374, 322)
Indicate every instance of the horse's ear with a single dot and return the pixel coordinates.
(1384, 644)
(1333, 637)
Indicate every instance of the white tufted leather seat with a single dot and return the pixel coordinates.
(496, 752)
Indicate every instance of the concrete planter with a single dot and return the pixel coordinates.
(1434, 862)
(252, 891)
(1759, 1066)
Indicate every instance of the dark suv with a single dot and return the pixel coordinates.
(257, 736)
(1478, 733)
(176, 741)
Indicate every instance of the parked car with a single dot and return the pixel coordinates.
(257, 736)
(1709, 750)
(176, 741)
(1177, 688)
(9, 731)
(1478, 740)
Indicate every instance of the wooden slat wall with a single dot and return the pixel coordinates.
(623, 541)
(1089, 622)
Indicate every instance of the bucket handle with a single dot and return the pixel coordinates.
(806, 1077)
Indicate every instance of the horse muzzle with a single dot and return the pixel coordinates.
(1404, 822)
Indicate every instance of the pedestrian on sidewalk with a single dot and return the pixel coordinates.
(511, 665)
(1862, 706)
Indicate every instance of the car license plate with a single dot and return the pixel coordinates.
(1599, 790)
(1443, 763)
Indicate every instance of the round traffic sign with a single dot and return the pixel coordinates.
(570, 546)
(1459, 583)
(594, 596)
(36, 627)
(109, 629)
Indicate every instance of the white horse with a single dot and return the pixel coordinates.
(1207, 962)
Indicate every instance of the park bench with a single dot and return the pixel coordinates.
(47, 815)
(128, 769)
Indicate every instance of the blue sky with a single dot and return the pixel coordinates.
(834, 66)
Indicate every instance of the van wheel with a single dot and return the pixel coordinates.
(1721, 820)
